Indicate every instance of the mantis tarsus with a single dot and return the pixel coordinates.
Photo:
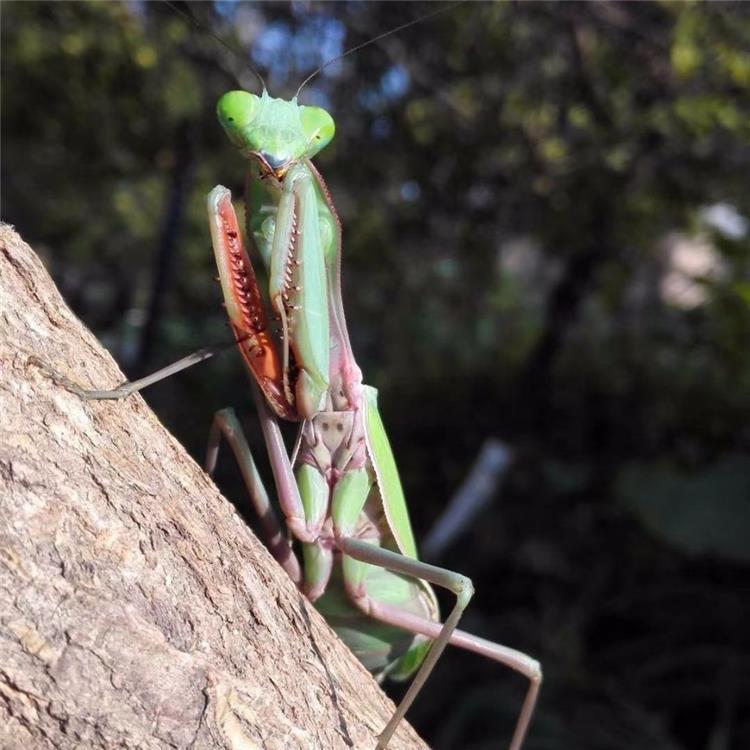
(339, 492)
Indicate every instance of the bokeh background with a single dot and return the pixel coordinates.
(546, 216)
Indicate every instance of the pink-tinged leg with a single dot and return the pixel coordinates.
(286, 484)
(516, 660)
(393, 561)
(226, 423)
(442, 633)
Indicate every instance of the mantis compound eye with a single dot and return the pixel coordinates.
(318, 126)
(236, 111)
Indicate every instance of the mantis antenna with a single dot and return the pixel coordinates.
(219, 39)
(377, 38)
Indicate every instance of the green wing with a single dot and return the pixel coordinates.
(386, 473)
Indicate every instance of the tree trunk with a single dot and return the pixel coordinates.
(136, 608)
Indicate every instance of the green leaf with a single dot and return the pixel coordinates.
(701, 512)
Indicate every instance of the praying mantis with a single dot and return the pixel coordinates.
(339, 491)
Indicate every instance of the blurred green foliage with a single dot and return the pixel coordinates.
(529, 195)
(701, 512)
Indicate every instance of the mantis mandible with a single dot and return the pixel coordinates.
(339, 491)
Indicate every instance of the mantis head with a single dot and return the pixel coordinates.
(274, 131)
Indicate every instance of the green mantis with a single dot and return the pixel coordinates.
(340, 491)
(340, 494)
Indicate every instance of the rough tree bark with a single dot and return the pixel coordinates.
(136, 609)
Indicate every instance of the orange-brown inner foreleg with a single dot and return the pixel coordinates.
(244, 303)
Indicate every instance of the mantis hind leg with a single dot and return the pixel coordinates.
(441, 633)
(227, 425)
(516, 660)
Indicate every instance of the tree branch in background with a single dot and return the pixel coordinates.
(471, 498)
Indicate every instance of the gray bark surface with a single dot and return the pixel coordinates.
(136, 608)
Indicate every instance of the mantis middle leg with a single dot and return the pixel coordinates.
(129, 387)
(441, 633)
(227, 425)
